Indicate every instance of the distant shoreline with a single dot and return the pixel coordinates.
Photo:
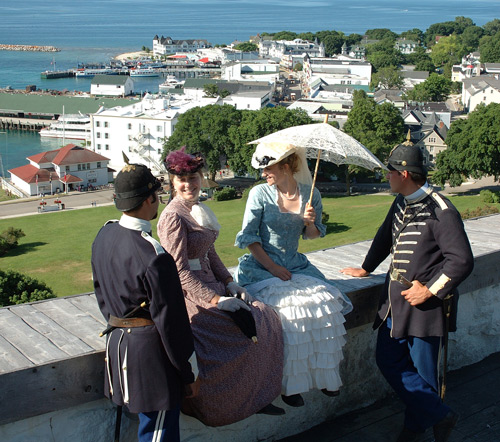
(28, 48)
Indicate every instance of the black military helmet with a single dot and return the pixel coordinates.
(133, 184)
(407, 156)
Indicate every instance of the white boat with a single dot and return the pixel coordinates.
(170, 83)
(144, 72)
(71, 126)
(93, 72)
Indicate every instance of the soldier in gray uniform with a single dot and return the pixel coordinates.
(149, 351)
(430, 256)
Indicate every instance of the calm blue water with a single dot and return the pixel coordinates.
(97, 30)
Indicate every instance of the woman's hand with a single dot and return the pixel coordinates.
(309, 215)
(280, 272)
(239, 292)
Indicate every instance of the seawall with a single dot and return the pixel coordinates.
(28, 48)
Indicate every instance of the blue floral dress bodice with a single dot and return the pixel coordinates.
(278, 232)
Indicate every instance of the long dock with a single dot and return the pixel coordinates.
(179, 72)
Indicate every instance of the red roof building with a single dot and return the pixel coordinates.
(68, 168)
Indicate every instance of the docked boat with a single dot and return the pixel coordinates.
(144, 72)
(170, 83)
(88, 73)
(72, 126)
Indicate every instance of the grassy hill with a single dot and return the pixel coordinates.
(57, 246)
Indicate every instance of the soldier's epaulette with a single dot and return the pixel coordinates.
(439, 200)
(157, 246)
(111, 221)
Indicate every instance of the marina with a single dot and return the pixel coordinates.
(73, 126)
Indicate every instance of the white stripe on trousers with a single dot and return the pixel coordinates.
(159, 426)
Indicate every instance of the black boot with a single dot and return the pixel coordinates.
(271, 410)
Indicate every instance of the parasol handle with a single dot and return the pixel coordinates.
(316, 169)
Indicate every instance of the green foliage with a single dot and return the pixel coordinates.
(324, 217)
(211, 90)
(206, 130)
(446, 28)
(489, 47)
(380, 34)
(285, 35)
(247, 47)
(479, 211)
(16, 288)
(377, 127)
(298, 67)
(492, 27)
(489, 196)
(225, 194)
(8, 239)
(414, 34)
(256, 124)
(387, 78)
(447, 50)
(473, 147)
(436, 88)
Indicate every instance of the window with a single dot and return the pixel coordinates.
(67, 168)
(129, 125)
(159, 151)
(79, 167)
(98, 147)
(158, 140)
(105, 124)
(88, 166)
(97, 124)
(106, 147)
(106, 135)
(159, 129)
(98, 135)
(98, 164)
(129, 149)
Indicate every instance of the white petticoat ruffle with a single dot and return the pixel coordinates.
(313, 331)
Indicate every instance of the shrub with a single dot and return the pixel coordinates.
(479, 211)
(324, 218)
(225, 194)
(16, 288)
(8, 239)
(489, 197)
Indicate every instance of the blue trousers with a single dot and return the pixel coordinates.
(159, 426)
(410, 366)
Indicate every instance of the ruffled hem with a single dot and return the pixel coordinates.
(313, 331)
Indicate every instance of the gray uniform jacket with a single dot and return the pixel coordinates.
(147, 367)
(427, 242)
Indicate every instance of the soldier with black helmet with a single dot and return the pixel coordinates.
(430, 256)
(150, 356)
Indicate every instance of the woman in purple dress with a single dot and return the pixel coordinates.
(238, 377)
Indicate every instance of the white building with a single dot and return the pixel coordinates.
(266, 71)
(226, 55)
(139, 130)
(165, 45)
(334, 71)
(50, 172)
(112, 85)
(406, 46)
(469, 67)
(278, 48)
(478, 90)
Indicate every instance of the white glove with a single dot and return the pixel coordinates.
(239, 292)
(230, 304)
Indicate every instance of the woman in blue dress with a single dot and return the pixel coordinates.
(311, 309)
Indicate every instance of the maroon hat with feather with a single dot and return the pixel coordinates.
(179, 162)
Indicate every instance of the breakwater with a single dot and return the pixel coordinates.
(28, 48)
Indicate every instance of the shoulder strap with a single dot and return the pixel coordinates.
(158, 248)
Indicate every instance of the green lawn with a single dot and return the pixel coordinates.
(57, 246)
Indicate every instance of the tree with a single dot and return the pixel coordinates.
(387, 78)
(380, 34)
(470, 38)
(435, 88)
(213, 90)
(8, 239)
(448, 49)
(285, 35)
(378, 127)
(489, 47)
(247, 47)
(16, 288)
(492, 27)
(298, 67)
(206, 130)
(415, 35)
(333, 44)
(447, 28)
(257, 124)
(473, 147)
